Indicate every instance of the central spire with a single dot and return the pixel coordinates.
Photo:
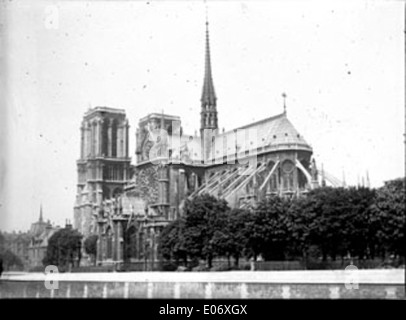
(208, 94)
(208, 100)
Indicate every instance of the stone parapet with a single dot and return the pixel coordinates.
(314, 284)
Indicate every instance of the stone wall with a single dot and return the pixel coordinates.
(83, 219)
(373, 284)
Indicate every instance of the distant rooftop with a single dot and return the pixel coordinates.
(159, 116)
(104, 109)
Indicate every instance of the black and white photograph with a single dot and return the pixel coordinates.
(205, 149)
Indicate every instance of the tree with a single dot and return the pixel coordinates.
(201, 223)
(171, 244)
(2, 242)
(231, 239)
(90, 245)
(389, 207)
(336, 220)
(10, 260)
(302, 224)
(330, 209)
(358, 230)
(268, 229)
(64, 248)
(257, 227)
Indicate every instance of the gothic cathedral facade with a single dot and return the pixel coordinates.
(127, 205)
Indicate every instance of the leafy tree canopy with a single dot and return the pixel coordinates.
(10, 260)
(327, 222)
(64, 247)
(389, 207)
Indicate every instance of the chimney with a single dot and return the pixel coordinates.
(68, 225)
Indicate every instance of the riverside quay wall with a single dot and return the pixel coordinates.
(311, 284)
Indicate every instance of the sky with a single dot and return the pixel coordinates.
(341, 64)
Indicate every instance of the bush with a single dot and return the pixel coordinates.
(169, 266)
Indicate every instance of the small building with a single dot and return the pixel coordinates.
(39, 233)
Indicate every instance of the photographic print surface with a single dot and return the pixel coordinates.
(174, 140)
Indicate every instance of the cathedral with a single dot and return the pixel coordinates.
(127, 205)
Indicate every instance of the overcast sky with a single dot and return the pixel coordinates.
(340, 63)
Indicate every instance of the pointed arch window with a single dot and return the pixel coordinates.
(109, 240)
(114, 139)
(104, 138)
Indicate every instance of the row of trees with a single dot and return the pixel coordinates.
(64, 250)
(327, 223)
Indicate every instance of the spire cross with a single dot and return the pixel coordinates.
(41, 219)
(284, 102)
(206, 11)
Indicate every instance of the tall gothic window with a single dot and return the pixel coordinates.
(131, 243)
(109, 238)
(93, 144)
(114, 139)
(105, 138)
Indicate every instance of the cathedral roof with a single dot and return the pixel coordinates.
(276, 130)
(270, 134)
(273, 133)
